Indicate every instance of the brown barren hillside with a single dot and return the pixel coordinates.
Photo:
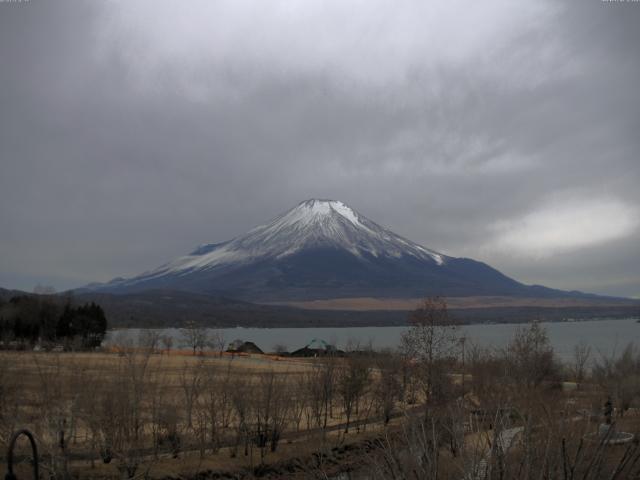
(370, 303)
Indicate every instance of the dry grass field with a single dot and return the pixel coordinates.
(407, 304)
(146, 413)
(132, 412)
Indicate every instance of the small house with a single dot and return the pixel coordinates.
(316, 348)
(239, 346)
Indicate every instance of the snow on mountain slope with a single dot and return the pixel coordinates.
(323, 249)
(313, 223)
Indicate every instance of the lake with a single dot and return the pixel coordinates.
(605, 336)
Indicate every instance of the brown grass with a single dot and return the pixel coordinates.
(58, 378)
(406, 304)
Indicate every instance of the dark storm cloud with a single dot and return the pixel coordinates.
(132, 131)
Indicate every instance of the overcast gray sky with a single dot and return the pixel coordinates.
(508, 132)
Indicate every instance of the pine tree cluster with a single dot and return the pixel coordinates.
(30, 319)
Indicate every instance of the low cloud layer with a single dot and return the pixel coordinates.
(132, 131)
(564, 225)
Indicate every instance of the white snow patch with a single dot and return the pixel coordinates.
(314, 223)
(346, 212)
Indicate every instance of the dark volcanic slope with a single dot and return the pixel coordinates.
(325, 249)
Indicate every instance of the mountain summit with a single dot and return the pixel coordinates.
(323, 249)
(313, 224)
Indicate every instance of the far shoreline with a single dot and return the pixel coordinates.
(349, 326)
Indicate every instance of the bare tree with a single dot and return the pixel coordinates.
(352, 380)
(217, 400)
(531, 357)
(56, 411)
(619, 376)
(241, 399)
(168, 427)
(10, 404)
(299, 400)
(271, 407)
(123, 416)
(194, 336)
(387, 389)
(487, 379)
(149, 339)
(218, 342)
(581, 355)
(431, 342)
(167, 343)
(191, 379)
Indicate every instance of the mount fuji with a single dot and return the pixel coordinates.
(324, 249)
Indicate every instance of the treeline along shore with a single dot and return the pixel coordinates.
(50, 321)
(168, 309)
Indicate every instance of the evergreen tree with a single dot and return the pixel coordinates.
(64, 328)
(37, 318)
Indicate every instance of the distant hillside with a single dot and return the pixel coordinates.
(5, 294)
(162, 308)
(488, 302)
(159, 308)
(168, 309)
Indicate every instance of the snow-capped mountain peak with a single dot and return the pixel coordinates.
(313, 210)
(312, 224)
(322, 249)
(318, 217)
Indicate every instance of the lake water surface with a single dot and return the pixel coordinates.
(604, 336)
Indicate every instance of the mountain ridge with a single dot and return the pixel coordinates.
(324, 249)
